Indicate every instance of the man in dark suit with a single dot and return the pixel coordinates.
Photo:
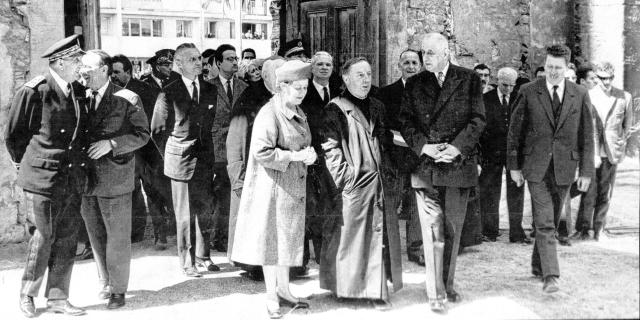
(46, 136)
(229, 90)
(149, 164)
(442, 117)
(186, 109)
(319, 199)
(550, 134)
(398, 191)
(493, 149)
(117, 128)
(161, 69)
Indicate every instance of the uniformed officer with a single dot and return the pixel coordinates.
(46, 136)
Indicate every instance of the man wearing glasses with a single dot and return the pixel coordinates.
(229, 88)
(614, 116)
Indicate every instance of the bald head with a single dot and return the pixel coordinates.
(435, 49)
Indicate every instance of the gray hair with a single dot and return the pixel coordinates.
(507, 73)
(319, 54)
(105, 59)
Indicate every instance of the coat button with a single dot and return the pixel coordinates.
(302, 199)
(62, 131)
(378, 229)
(82, 164)
(302, 176)
(70, 147)
(70, 165)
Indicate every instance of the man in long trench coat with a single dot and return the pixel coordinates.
(361, 248)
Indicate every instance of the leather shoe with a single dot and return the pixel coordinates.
(453, 296)
(86, 254)
(419, 259)
(489, 239)
(27, 306)
(523, 240)
(536, 272)
(550, 284)
(274, 313)
(255, 275)
(293, 304)
(381, 305)
(191, 272)
(438, 306)
(296, 272)
(206, 264)
(63, 306)
(116, 301)
(564, 241)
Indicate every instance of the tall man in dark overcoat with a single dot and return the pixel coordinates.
(442, 118)
(118, 127)
(550, 135)
(46, 136)
(186, 110)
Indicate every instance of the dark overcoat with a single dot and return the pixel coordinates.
(354, 261)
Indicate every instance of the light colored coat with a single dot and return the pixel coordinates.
(614, 129)
(271, 215)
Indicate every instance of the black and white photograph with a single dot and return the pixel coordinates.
(320, 159)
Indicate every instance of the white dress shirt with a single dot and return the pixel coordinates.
(319, 88)
(560, 90)
(189, 84)
(61, 82)
(224, 81)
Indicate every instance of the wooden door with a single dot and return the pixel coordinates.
(330, 25)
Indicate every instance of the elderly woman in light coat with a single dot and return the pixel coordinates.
(270, 226)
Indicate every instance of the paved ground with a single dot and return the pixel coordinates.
(599, 280)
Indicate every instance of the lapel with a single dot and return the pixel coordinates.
(104, 107)
(297, 120)
(355, 113)
(221, 91)
(238, 88)
(545, 100)
(568, 103)
(451, 82)
(314, 95)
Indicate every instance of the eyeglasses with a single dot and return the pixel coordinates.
(231, 59)
(605, 78)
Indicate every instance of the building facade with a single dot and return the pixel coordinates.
(138, 28)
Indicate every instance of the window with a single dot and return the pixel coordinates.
(211, 29)
(157, 28)
(232, 30)
(183, 29)
(254, 31)
(106, 25)
(133, 27)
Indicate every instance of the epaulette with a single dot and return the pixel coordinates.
(128, 95)
(35, 82)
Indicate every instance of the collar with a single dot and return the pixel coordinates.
(288, 112)
(101, 91)
(225, 80)
(444, 70)
(500, 94)
(404, 82)
(157, 80)
(560, 85)
(61, 82)
(319, 88)
(188, 82)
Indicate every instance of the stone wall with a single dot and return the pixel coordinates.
(27, 28)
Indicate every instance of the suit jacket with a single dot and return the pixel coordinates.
(453, 114)
(46, 133)
(150, 153)
(190, 133)
(536, 136)
(613, 131)
(223, 115)
(493, 141)
(402, 158)
(120, 118)
(313, 107)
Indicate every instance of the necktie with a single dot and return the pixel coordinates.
(325, 92)
(229, 92)
(504, 100)
(555, 103)
(94, 100)
(194, 94)
(440, 79)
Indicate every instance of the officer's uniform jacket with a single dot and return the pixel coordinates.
(46, 133)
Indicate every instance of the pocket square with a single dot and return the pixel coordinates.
(210, 106)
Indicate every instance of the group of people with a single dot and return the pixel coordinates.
(268, 158)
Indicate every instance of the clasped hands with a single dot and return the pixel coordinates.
(441, 152)
(307, 155)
